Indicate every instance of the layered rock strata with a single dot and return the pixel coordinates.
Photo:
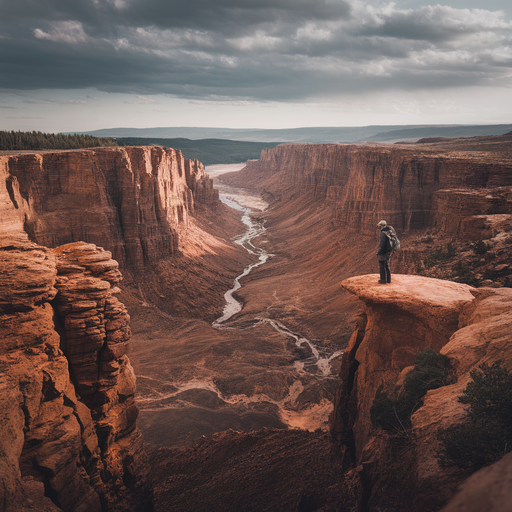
(130, 200)
(473, 214)
(364, 183)
(470, 326)
(69, 438)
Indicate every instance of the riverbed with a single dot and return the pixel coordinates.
(248, 203)
(244, 371)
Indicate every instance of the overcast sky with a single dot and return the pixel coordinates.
(76, 65)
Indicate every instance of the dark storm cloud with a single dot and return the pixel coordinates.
(256, 49)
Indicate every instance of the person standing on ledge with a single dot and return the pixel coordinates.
(384, 252)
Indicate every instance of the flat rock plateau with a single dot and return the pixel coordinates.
(269, 409)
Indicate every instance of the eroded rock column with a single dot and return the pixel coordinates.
(67, 412)
(95, 331)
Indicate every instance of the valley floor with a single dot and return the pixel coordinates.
(239, 415)
(264, 470)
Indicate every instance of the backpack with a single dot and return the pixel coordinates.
(394, 243)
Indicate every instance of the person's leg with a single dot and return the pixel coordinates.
(388, 272)
(382, 270)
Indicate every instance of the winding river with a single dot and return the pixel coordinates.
(242, 201)
(299, 394)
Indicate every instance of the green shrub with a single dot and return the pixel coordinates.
(486, 435)
(490, 393)
(472, 444)
(384, 414)
(431, 371)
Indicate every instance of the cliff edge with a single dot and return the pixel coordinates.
(470, 326)
(364, 183)
(131, 200)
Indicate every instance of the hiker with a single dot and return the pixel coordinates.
(384, 251)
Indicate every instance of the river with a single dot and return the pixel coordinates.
(233, 373)
(245, 202)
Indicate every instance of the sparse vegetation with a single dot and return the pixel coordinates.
(486, 435)
(431, 371)
(12, 141)
(480, 247)
(440, 256)
(463, 274)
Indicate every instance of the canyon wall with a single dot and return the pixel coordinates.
(68, 409)
(473, 214)
(68, 414)
(456, 193)
(68, 417)
(365, 183)
(130, 200)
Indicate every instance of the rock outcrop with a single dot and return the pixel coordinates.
(69, 439)
(469, 325)
(489, 489)
(67, 416)
(413, 313)
(130, 200)
(473, 214)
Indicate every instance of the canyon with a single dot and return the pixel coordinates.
(243, 415)
(68, 389)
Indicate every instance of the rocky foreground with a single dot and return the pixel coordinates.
(69, 437)
(470, 326)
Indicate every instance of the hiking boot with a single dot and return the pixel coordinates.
(382, 282)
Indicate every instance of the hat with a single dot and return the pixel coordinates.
(382, 223)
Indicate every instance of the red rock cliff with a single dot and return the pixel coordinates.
(68, 415)
(470, 326)
(68, 418)
(364, 183)
(129, 200)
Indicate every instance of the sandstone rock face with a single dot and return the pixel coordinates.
(69, 439)
(489, 489)
(68, 405)
(470, 326)
(469, 213)
(131, 200)
(365, 183)
(412, 313)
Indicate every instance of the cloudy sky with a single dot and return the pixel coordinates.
(76, 65)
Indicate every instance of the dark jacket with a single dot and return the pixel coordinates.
(384, 245)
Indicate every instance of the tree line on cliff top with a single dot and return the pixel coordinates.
(12, 141)
(208, 151)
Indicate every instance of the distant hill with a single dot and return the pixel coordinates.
(441, 131)
(208, 151)
(344, 134)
